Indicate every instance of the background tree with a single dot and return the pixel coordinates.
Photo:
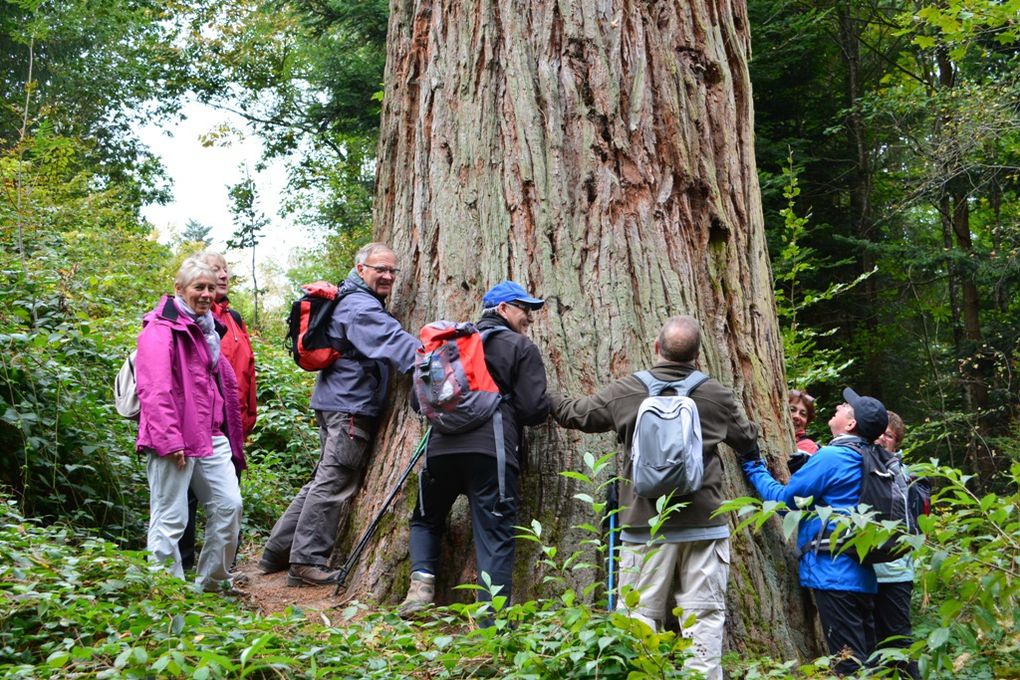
(911, 168)
(197, 232)
(305, 74)
(100, 70)
(604, 159)
(250, 222)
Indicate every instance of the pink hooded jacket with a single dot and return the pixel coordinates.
(177, 388)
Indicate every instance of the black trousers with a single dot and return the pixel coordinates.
(186, 544)
(492, 523)
(847, 623)
(892, 618)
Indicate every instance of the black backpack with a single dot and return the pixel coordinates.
(918, 500)
(884, 489)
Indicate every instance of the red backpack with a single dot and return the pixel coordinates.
(307, 325)
(451, 380)
(455, 391)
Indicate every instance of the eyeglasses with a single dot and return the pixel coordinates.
(523, 307)
(393, 271)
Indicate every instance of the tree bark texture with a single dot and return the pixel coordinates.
(601, 154)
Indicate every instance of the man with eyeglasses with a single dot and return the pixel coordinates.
(467, 463)
(348, 398)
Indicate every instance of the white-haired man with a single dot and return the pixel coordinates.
(348, 398)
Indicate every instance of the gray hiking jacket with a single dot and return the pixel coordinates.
(370, 340)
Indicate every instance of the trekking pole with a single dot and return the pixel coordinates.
(612, 504)
(352, 559)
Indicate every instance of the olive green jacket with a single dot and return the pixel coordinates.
(615, 408)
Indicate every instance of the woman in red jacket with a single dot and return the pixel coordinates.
(235, 344)
(802, 412)
(189, 426)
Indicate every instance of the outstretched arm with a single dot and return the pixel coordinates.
(378, 335)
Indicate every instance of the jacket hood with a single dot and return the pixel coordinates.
(166, 310)
(355, 284)
(493, 320)
(844, 439)
(680, 368)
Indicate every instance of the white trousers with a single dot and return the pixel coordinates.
(215, 485)
(695, 574)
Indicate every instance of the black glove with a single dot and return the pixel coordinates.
(751, 455)
(797, 460)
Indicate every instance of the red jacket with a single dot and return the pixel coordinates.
(236, 347)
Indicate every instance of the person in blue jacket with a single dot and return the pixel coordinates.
(843, 588)
(348, 398)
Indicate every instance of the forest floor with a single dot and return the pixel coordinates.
(270, 594)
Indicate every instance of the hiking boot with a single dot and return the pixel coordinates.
(419, 595)
(311, 575)
(270, 563)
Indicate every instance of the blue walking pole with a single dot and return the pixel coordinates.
(612, 504)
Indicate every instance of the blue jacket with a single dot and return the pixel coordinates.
(370, 340)
(833, 478)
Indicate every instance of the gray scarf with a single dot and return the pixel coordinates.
(208, 325)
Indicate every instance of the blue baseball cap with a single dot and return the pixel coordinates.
(508, 291)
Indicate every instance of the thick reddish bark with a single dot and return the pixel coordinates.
(602, 155)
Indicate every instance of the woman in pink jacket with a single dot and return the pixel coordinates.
(190, 426)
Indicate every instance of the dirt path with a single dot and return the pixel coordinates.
(270, 594)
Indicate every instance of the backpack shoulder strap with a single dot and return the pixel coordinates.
(488, 332)
(871, 454)
(651, 383)
(681, 387)
(690, 383)
(485, 335)
(341, 294)
(236, 315)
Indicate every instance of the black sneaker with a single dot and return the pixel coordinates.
(311, 575)
(270, 563)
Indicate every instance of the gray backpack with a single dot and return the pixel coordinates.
(125, 394)
(666, 450)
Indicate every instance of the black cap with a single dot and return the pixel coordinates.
(870, 414)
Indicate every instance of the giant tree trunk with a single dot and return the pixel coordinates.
(601, 154)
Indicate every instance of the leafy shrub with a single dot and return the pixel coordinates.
(967, 561)
(78, 606)
(284, 446)
(970, 575)
(77, 269)
(69, 454)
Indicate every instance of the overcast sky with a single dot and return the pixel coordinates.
(201, 175)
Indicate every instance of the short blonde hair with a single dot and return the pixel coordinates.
(195, 267)
(212, 257)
